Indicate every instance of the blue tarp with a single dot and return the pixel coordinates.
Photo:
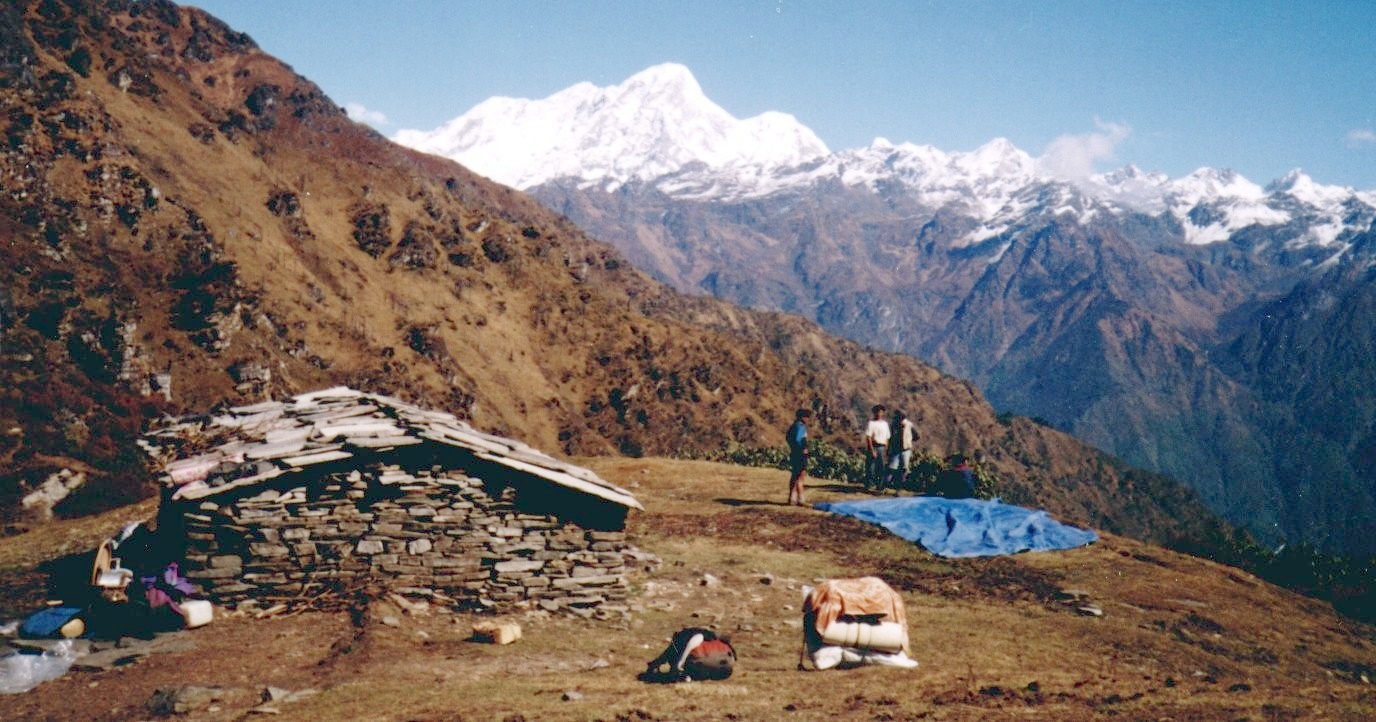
(965, 527)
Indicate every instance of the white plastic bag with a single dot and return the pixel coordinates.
(22, 672)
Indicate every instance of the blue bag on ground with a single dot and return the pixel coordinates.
(46, 622)
(965, 527)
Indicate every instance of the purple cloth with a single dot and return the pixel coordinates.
(167, 588)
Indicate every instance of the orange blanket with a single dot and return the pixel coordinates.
(856, 597)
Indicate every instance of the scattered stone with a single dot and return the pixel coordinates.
(409, 606)
(109, 659)
(600, 664)
(1089, 610)
(496, 632)
(191, 698)
(572, 696)
(709, 580)
(391, 621)
(57, 486)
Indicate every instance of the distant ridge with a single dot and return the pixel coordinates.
(1107, 304)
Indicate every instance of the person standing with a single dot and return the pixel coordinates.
(902, 434)
(967, 477)
(797, 455)
(876, 447)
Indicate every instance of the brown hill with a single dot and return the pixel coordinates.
(1179, 638)
(186, 222)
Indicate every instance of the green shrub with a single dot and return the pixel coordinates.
(829, 461)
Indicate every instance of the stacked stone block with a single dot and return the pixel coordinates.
(384, 525)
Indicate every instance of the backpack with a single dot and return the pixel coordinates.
(713, 659)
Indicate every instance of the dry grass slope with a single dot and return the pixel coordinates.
(1181, 638)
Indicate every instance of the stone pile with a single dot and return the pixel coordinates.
(338, 490)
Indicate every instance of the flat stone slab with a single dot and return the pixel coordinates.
(109, 659)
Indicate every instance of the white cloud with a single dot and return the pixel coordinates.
(1361, 136)
(361, 114)
(1072, 157)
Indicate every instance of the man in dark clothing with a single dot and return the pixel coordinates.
(797, 455)
(959, 481)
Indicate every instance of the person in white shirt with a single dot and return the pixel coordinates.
(877, 448)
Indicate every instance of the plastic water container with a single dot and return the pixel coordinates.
(882, 637)
(196, 613)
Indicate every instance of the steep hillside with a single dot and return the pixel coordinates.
(187, 223)
(1309, 356)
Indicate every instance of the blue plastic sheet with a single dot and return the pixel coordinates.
(965, 527)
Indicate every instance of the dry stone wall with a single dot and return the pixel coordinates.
(381, 525)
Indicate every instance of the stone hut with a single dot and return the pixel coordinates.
(297, 501)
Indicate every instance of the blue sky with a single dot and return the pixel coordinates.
(1257, 86)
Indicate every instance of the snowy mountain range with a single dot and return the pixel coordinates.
(659, 128)
(1205, 327)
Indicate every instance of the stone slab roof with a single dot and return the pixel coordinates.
(258, 443)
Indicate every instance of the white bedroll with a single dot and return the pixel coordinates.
(881, 637)
(850, 622)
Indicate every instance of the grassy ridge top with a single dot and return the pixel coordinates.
(1180, 638)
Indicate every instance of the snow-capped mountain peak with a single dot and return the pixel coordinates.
(653, 125)
(659, 127)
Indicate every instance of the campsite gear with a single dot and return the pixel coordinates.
(830, 657)
(22, 672)
(712, 659)
(168, 588)
(197, 613)
(693, 653)
(108, 575)
(854, 621)
(50, 622)
(965, 527)
(880, 636)
(75, 627)
(833, 598)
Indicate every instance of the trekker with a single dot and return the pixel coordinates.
(902, 434)
(876, 448)
(959, 481)
(797, 455)
(693, 653)
(967, 476)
